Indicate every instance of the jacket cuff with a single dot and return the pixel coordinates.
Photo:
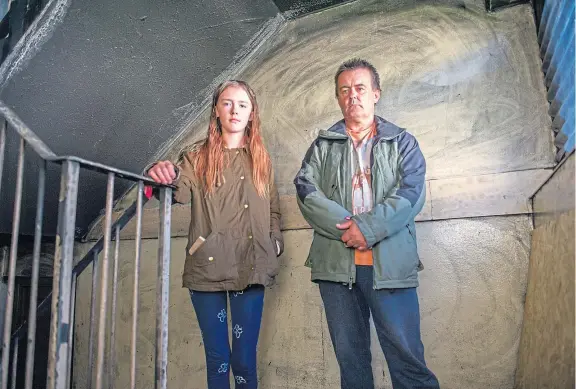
(148, 167)
(177, 178)
(176, 169)
(366, 230)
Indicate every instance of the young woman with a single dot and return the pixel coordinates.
(235, 237)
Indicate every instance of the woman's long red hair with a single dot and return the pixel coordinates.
(209, 163)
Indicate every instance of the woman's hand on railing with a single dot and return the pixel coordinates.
(163, 172)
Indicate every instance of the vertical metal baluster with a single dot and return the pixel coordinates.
(92, 333)
(61, 289)
(104, 284)
(162, 290)
(5, 257)
(2, 149)
(135, 295)
(12, 266)
(31, 344)
(15, 363)
(112, 358)
(71, 332)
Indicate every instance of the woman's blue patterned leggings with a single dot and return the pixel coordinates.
(246, 309)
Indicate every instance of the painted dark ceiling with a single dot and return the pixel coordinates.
(105, 86)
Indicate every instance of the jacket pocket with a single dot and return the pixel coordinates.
(273, 264)
(265, 256)
(420, 266)
(412, 234)
(211, 262)
(328, 256)
(199, 242)
(397, 256)
(332, 191)
(206, 252)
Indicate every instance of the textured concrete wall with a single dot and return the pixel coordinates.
(466, 83)
(557, 195)
(546, 358)
(471, 302)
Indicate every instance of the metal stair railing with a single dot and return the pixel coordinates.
(63, 295)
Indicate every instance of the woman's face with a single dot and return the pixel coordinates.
(234, 110)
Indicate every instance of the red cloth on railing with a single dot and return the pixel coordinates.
(148, 191)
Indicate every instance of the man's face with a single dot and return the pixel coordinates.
(356, 96)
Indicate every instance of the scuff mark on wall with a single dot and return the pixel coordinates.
(38, 33)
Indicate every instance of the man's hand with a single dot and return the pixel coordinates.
(163, 172)
(353, 237)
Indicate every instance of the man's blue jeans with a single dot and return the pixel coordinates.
(396, 316)
(211, 311)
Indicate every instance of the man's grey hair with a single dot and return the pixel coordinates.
(358, 63)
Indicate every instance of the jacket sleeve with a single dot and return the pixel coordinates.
(183, 182)
(318, 210)
(275, 217)
(402, 205)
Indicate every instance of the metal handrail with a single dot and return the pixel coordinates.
(26, 133)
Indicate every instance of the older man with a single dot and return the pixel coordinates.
(360, 187)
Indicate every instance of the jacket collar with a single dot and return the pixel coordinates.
(384, 130)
